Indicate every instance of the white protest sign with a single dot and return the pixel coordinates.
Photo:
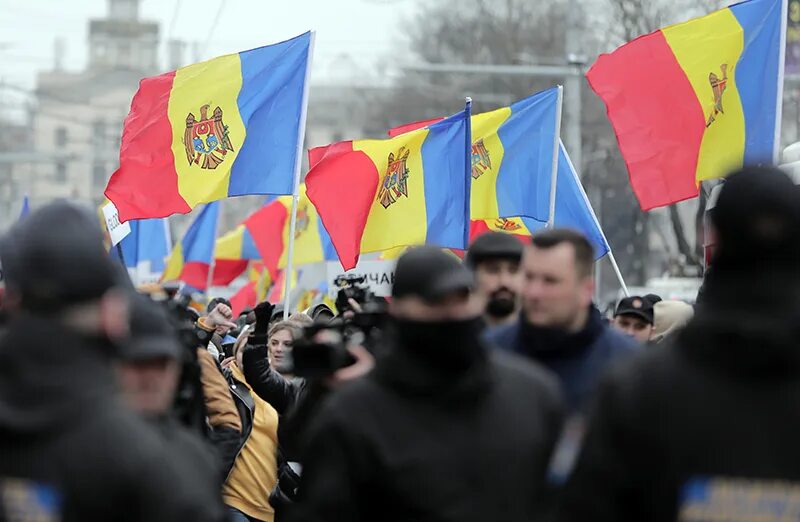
(379, 275)
(116, 230)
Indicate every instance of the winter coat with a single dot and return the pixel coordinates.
(69, 450)
(706, 428)
(578, 360)
(411, 443)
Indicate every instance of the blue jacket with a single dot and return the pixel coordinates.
(577, 360)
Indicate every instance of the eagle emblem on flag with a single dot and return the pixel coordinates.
(481, 162)
(302, 222)
(395, 182)
(718, 86)
(206, 140)
(506, 225)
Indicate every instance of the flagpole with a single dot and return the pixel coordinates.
(781, 72)
(551, 218)
(301, 131)
(468, 202)
(619, 274)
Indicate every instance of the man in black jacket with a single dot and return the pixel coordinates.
(441, 429)
(707, 429)
(69, 449)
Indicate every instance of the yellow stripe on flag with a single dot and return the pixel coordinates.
(307, 245)
(174, 264)
(211, 84)
(229, 246)
(483, 199)
(403, 222)
(708, 46)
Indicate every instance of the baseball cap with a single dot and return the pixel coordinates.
(638, 306)
(431, 274)
(55, 257)
(152, 335)
(493, 245)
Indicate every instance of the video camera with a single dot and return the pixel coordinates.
(351, 286)
(323, 348)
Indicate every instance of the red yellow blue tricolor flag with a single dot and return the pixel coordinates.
(190, 260)
(230, 126)
(694, 101)
(373, 195)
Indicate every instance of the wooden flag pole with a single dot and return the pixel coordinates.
(301, 132)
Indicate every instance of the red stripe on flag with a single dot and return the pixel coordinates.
(656, 116)
(342, 187)
(195, 275)
(226, 270)
(266, 227)
(145, 157)
(246, 297)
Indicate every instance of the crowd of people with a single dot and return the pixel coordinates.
(482, 390)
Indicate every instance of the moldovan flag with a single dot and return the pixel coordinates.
(512, 157)
(191, 258)
(694, 101)
(270, 227)
(373, 195)
(232, 253)
(145, 249)
(226, 127)
(254, 291)
(573, 210)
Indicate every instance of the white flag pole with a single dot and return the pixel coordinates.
(301, 132)
(213, 263)
(551, 218)
(776, 153)
(611, 257)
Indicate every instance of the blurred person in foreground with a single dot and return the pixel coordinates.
(495, 258)
(559, 326)
(440, 429)
(149, 371)
(635, 317)
(670, 318)
(706, 428)
(69, 449)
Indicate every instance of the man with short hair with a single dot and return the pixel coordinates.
(69, 449)
(635, 317)
(441, 429)
(495, 258)
(559, 326)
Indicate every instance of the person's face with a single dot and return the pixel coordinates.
(148, 387)
(634, 326)
(554, 294)
(280, 345)
(455, 307)
(500, 282)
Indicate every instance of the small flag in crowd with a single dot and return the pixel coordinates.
(413, 189)
(191, 258)
(221, 128)
(232, 254)
(145, 249)
(694, 101)
(512, 157)
(26, 209)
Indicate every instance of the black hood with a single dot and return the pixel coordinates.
(747, 324)
(49, 376)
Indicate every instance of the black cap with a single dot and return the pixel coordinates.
(431, 274)
(152, 335)
(493, 245)
(55, 257)
(757, 220)
(639, 306)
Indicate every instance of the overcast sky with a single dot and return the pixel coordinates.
(362, 31)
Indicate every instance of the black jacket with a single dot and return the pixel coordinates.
(281, 393)
(707, 426)
(68, 447)
(410, 443)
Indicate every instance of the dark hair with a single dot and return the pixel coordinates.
(214, 302)
(584, 252)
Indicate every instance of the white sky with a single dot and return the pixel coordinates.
(366, 32)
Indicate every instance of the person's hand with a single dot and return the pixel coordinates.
(263, 313)
(365, 362)
(355, 308)
(221, 315)
(227, 362)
